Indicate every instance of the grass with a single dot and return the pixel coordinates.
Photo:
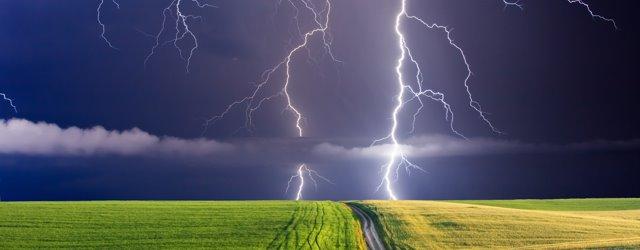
(563, 204)
(179, 224)
(535, 224)
(558, 224)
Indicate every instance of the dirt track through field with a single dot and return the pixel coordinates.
(369, 228)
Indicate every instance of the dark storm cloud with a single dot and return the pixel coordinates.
(549, 75)
(24, 137)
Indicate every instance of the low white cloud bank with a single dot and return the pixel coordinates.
(24, 137)
(19, 136)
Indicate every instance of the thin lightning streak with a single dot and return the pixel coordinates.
(582, 3)
(15, 109)
(593, 14)
(182, 30)
(516, 4)
(472, 102)
(103, 28)
(255, 100)
(10, 101)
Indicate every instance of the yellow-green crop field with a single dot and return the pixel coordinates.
(527, 224)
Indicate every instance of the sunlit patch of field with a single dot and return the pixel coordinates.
(179, 224)
(604, 204)
(435, 224)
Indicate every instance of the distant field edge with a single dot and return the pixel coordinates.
(569, 204)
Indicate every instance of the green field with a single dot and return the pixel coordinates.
(179, 224)
(535, 224)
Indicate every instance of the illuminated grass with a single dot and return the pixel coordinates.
(563, 204)
(179, 224)
(433, 224)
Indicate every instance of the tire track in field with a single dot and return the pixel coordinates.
(294, 230)
(346, 230)
(335, 209)
(298, 234)
(321, 213)
(315, 222)
(307, 212)
(314, 213)
(286, 231)
(346, 225)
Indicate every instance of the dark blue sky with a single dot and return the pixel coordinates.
(549, 75)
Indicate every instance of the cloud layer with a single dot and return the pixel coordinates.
(19, 136)
(24, 137)
(445, 146)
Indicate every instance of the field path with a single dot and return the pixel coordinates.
(369, 229)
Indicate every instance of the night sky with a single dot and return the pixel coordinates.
(561, 85)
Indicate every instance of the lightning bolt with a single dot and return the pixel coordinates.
(592, 13)
(181, 29)
(415, 91)
(516, 4)
(581, 3)
(103, 28)
(303, 170)
(254, 101)
(10, 101)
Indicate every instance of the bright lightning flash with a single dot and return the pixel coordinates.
(408, 92)
(414, 90)
(255, 100)
(302, 171)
